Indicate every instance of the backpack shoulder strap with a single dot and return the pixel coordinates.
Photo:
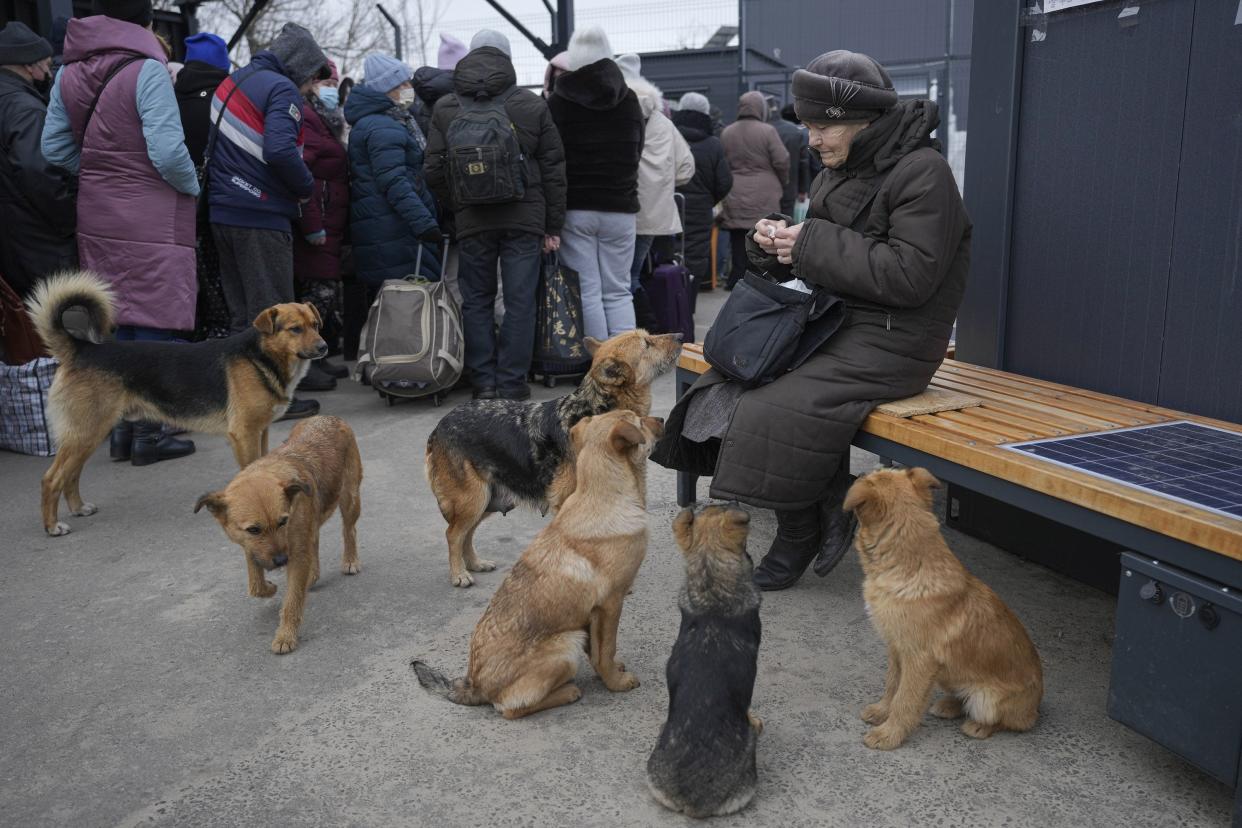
(215, 127)
(112, 73)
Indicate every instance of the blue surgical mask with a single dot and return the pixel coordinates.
(330, 96)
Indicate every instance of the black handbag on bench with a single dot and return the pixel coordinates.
(765, 330)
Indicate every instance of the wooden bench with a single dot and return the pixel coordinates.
(965, 447)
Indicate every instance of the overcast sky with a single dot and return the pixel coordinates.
(640, 26)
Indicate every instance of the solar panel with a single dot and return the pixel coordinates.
(1195, 464)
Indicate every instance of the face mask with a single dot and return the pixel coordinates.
(330, 97)
(406, 98)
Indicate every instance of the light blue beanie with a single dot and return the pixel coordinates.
(384, 73)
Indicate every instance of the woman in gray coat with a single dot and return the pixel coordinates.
(888, 233)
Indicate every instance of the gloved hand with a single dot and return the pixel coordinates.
(432, 236)
(317, 239)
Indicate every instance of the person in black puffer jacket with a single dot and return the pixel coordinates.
(711, 183)
(601, 126)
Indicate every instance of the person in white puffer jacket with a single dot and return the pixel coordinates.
(667, 163)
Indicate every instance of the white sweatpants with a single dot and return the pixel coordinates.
(600, 246)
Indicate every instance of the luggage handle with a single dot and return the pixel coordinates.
(418, 264)
(679, 200)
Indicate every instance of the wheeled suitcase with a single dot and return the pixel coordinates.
(560, 349)
(669, 289)
(412, 344)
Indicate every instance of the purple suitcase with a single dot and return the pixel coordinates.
(669, 288)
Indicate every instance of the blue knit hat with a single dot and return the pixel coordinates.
(207, 48)
(384, 73)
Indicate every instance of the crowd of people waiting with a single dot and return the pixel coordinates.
(204, 194)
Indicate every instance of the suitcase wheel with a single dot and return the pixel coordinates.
(391, 399)
(436, 399)
(549, 381)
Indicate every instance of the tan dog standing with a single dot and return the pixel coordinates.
(942, 625)
(273, 509)
(568, 588)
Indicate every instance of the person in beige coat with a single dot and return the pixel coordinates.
(760, 165)
(667, 163)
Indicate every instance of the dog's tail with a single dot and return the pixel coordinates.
(458, 691)
(70, 308)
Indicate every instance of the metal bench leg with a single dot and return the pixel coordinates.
(1237, 800)
(686, 482)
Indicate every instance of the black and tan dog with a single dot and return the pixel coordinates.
(491, 455)
(235, 386)
(273, 509)
(704, 762)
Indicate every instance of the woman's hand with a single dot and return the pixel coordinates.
(784, 242)
(765, 234)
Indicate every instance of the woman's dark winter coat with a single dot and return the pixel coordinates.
(601, 127)
(390, 205)
(328, 208)
(889, 234)
(37, 200)
(195, 85)
(487, 71)
(430, 85)
(711, 183)
(760, 165)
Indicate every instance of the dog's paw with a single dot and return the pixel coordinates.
(284, 643)
(58, 530)
(622, 683)
(351, 568)
(875, 714)
(573, 694)
(883, 738)
(267, 590)
(478, 565)
(85, 510)
(755, 722)
(948, 707)
(978, 730)
(461, 579)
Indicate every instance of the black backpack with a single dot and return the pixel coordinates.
(485, 159)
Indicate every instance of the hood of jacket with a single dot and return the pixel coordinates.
(752, 105)
(197, 76)
(599, 85)
(485, 71)
(11, 84)
(268, 60)
(432, 84)
(894, 135)
(364, 101)
(693, 126)
(89, 36)
(650, 98)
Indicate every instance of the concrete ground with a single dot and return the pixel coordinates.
(140, 689)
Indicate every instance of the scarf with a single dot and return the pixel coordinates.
(334, 119)
(405, 117)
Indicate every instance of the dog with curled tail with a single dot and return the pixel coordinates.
(704, 762)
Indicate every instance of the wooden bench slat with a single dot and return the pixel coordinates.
(980, 418)
(1026, 420)
(1129, 413)
(1064, 417)
(1116, 416)
(974, 432)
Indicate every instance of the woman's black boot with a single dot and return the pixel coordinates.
(121, 444)
(796, 544)
(152, 444)
(837, 533)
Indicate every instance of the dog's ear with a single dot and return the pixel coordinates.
(615, 372)
(592, 344)
(683, 529)
(314, 311)
(268, 322)
(862, 492)
(655, 425)
(624, 436)
(292, 487)
(577, 434)
(739, 515)
(214, 501)
(923, 482)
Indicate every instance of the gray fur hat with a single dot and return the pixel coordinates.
(842, 86)
(301, 56)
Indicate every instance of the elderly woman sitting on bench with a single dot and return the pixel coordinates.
(888, 233)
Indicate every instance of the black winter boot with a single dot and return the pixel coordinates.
(152, 444)
(837, 527)
(797, 541)
(121, 444)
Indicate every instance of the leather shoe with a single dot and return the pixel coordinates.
(837, 527)
(299, 409)
(485, 393)
(151, 445)
(520, 393)
(795, 546)
(316, 380)
(332, 369)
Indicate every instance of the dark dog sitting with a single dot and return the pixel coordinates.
(704, 763)
(492, 455)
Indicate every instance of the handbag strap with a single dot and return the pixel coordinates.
(112, 73)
